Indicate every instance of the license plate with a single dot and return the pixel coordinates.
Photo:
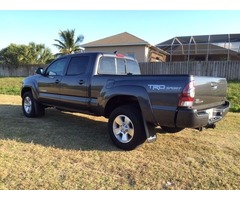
(210, 113)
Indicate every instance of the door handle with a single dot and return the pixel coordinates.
(81, 82)
(57, 81)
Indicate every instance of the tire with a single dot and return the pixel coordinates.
(171, 129)
(30, 107)
(125, 127)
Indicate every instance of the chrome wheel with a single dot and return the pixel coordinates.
(30, 107)
(27, 104)
(123, 129)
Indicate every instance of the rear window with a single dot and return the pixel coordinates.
(117, 66)
(132, 67)
(107, 66)
(121, 66)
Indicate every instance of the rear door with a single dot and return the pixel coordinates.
(74, 85)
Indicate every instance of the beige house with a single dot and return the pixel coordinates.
(129, 45)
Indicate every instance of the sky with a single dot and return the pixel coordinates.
(22, 25)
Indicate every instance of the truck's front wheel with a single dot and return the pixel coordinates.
(125, 127)
(30, 107)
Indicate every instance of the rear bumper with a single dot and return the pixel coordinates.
(188, 118)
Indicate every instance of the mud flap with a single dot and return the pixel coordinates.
(150, 131)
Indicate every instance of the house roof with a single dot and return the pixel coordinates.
(214, 40)
(122, 39)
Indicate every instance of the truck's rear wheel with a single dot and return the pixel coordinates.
(125, 127)
(30, 107)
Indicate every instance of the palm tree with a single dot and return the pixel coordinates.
(66, 44)
(15, 55)
(35, 54)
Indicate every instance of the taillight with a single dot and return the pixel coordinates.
(187, 97)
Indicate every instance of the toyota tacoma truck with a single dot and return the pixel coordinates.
(111, 85)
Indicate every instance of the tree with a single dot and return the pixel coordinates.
(35, 54)
(66, 44)
(9, 55)
(16, 55)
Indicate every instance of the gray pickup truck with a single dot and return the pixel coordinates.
(111, 85)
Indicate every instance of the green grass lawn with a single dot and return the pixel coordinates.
(10, 85)
(234, 95)
(74, 152)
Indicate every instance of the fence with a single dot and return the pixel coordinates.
(228, 69)
(21, 71)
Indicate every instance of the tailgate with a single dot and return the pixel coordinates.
(209, 92)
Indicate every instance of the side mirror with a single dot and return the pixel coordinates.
(40, 71)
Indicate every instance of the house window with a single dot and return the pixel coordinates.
(131, 54)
